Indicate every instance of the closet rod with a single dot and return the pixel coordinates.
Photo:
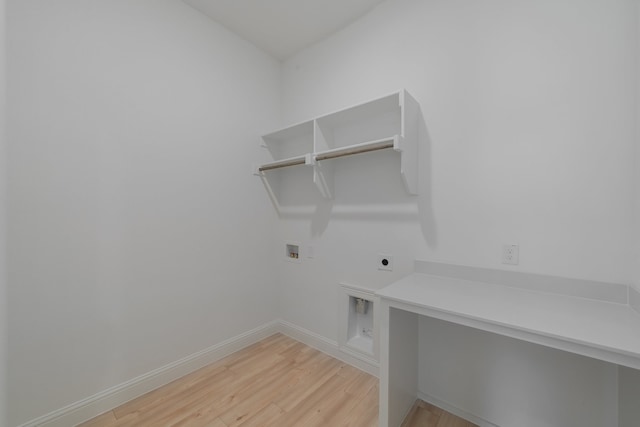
(330, 155)
(282, 164)
(358, 150)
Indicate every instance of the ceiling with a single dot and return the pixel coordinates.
(283, 27)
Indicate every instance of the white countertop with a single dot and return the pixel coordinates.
(601, 329)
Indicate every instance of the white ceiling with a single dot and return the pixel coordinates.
(283, 27)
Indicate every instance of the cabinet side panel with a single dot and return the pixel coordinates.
(403, 364)
(410, 142)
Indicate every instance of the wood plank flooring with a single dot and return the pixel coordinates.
(425, 414)
(277, 382)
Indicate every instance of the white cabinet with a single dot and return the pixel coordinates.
(390, 122)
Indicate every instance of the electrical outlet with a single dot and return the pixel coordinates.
(510, 254)
(385, 262)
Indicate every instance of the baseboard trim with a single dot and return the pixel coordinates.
(329, 347)
(113, 397)
(455, 410)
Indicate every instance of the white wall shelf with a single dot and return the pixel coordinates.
(389, 122)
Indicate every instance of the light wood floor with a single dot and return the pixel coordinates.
(276, 382)
(424, 414)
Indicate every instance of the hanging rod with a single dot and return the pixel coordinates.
(282, 164)
(332, 154)
(355, 150)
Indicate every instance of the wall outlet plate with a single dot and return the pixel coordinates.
(510, 254)
(385, 262)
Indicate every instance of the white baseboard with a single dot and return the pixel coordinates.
(455, 410)
(113, 397)
(329, 347)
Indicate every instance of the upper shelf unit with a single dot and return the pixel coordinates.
(389, 122)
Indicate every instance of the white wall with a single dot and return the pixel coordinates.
(3, 276)
(138, 235)
(529, 138)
